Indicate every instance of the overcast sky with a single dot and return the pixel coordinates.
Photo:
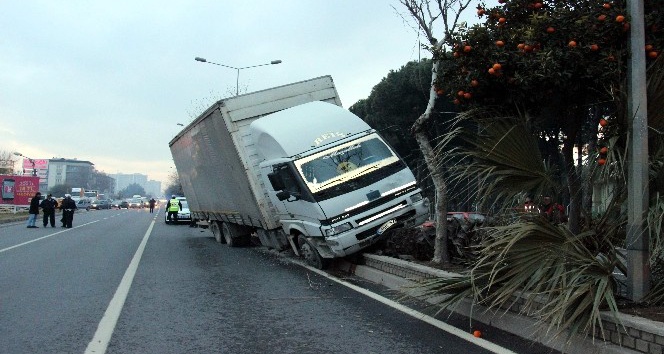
(108, 81)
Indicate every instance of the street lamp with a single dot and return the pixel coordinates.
(34, 170)
(237, 80)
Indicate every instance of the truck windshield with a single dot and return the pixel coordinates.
(344, 162)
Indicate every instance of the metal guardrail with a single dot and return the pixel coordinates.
(13, 209)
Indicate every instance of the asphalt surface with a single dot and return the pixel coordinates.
(192, 295)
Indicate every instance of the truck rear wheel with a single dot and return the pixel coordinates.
(236, 235)
(311, 255)
(216, 231)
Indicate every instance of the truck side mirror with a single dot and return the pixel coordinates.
(276, 182)
(283, 195)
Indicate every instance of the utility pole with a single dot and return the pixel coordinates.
(638, 269)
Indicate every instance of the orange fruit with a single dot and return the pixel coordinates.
(649, 47)
(606, 5)
(601, 17)
(502, 20)
(538, 5)
(460, 93)
(491, 71)
(500, 43)
(467, 95)
(456, 54)
(481, 12)
(474, 83)
(497, 66)
(603, 150)
(528, 48)
(603, 122)
(620, 18)
(520, 45)
(653, 55)
(467, 48)
(572, 44)
(594, 47)
(477, 333)
(456, 101)
(550, 29)
(440, 92)
(601, 162)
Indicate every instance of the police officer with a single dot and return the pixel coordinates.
(48, 205)
(174, 206)
(68, 206)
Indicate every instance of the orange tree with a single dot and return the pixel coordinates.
(553, 60)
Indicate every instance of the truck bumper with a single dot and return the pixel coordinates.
(356, 239)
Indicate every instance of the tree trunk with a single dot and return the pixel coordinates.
(419, 129)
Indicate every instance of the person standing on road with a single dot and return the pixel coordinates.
(68, 206)
(48, 205)
(34, 211)
(173, 207)
(152, 203)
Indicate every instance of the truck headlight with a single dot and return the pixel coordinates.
(338, 229)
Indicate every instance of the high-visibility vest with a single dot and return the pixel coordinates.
(174, 205)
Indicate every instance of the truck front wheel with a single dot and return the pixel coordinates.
(311, 255)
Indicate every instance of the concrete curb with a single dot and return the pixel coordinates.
(521, 326)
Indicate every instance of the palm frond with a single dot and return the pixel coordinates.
(564, 284)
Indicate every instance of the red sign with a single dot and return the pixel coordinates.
(40, 164)
(18, 190)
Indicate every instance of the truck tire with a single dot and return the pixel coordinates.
(236, 235)
(216, 231)
(311, 255)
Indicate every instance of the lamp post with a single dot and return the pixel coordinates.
(237, 80)
(34, 170)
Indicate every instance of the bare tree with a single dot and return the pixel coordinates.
(6, 162)
(426, 14)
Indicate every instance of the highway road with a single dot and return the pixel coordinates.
(122, 281)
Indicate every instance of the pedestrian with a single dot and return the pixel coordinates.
(68, 206)
(34, 211)
(552, 211)
(48, 206)
(173, 206)
(152, 203)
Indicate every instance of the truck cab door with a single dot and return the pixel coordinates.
(293, 200)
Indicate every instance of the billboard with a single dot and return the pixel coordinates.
(18, 190)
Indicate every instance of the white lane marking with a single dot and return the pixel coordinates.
(102, 337)
(47, 236)
(418, 315)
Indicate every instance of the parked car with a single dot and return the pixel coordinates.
(100, 204)
(184, 215)
(123, 205)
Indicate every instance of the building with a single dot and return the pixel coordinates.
(153, 188)
(71, 172)
(123, 180)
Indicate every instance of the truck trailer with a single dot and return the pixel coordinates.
(292, 167)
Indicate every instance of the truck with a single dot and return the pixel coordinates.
(290, 167)
(77, 193)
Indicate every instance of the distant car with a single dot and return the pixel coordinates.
(184, 215)
(115, 203)
(123, 205)
(471, 216)
(100, 204)
(135, 203)
(83, 204)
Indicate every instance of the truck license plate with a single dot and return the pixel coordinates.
(386, 226)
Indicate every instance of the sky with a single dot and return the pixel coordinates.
(109, 81)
